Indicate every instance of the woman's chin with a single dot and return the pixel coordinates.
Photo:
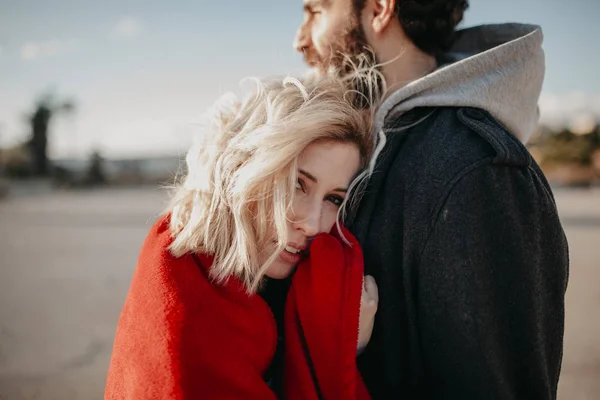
(279, 270)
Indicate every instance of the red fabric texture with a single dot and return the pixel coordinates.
(181, 336)
(321, 323)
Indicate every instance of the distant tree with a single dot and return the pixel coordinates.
(596, 136)
(596, 152)
(95, 172)
(570, 148)
(45, 110)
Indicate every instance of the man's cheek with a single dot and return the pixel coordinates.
(322, 38)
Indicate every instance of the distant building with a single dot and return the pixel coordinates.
(127, 170)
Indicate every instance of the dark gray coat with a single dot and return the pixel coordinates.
(460, 230)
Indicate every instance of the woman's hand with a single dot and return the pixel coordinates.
(368, 308)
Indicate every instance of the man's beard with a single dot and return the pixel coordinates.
(352, 59)
(352, 51)
(358, 63)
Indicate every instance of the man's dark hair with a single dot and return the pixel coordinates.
(429, 24)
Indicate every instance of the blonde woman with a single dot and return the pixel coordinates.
(265, 189)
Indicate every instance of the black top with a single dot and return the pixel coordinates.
(274, 293)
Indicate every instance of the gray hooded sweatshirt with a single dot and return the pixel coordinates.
(498, 68)
(460, 230)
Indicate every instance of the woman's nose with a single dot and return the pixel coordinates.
(308, 219)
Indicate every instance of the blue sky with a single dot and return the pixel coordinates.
(142, 71)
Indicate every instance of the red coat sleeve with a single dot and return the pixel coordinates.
(182, 337)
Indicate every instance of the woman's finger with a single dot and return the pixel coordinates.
(370, 289)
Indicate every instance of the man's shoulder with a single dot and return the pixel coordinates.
(427, 153)
(421, 164)
(449, 139)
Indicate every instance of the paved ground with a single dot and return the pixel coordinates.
(66, 260)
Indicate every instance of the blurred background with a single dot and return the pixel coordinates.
(99, 100)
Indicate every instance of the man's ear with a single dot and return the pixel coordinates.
(381, 13)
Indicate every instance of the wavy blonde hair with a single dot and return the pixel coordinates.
(242, 169)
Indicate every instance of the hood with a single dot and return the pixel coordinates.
(498, 68)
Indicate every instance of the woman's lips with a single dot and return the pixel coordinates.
(295, 255)
(289, 257)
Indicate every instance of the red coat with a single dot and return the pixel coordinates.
(180, 336)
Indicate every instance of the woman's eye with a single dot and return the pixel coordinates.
(300, 185)
(336, 200)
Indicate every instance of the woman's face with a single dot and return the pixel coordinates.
(325, 170)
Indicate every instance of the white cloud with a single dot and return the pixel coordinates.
(570, 109)
(127, 27)
(50, 48)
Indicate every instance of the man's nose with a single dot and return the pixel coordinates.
(302, 39)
